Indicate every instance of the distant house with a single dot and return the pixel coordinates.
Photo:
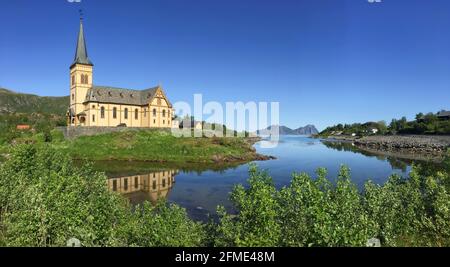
(374, 130)
(444, 115)
(353, 134)
(23, 127)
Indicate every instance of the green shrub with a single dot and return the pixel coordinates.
(315, 212)
(45, 201)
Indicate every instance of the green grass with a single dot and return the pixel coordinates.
(158, 146)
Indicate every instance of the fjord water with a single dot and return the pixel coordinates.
(200, 192)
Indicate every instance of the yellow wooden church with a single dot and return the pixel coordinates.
(106, 106)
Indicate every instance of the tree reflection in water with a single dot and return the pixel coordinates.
(396, 163)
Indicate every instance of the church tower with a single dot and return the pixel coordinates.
(81, 80)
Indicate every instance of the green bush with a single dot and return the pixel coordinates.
(316, 212)
(45, 201)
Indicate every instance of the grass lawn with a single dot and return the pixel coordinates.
(159, 146)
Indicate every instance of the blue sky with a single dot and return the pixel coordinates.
(325, 61)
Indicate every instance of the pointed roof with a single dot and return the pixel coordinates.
(81, 55)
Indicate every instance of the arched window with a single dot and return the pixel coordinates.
(126, 114)
(86, 79)
(154, 112)
(164, 112)
(114, 113)
(136, 114)
(82, 78)
(73, 96)
(145, 112)
(73, 79)
(102, 112)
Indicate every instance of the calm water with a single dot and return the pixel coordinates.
(201, 191)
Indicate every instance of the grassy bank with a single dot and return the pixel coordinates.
(159, 146)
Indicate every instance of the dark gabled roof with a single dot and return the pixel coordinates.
(81, 54)
(113, 95)
(443, 113)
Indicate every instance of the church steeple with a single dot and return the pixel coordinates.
(81, 55)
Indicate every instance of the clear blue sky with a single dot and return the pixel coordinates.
(325, 61)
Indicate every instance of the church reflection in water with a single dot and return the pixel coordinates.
(144, 187)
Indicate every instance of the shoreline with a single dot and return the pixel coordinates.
(421, 147)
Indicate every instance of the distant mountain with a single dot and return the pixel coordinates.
(25, 103)
(283, 130)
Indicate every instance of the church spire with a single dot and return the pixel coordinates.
(81, 55)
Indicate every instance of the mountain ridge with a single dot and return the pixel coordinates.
(14, 102)
(284, 130)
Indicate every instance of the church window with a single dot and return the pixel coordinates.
(154, 121)
(125, 184)
(102, 112)
(136, 182)
(114, 113)
(145, 112)
(154, 112)
(73, 96)
(86, 79)
(115, 185)
(73, 79)
(126, 114)
(154, 185)
(164, 113)
(164, 183)
(93, 118)
(164, 121)
(82, 78)
(136, 114)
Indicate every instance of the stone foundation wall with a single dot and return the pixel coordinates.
(74, 132)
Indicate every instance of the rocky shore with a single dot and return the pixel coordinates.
(416, 143)
(420, 144)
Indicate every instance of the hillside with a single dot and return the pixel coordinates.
(11, 102)
(283, 130)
